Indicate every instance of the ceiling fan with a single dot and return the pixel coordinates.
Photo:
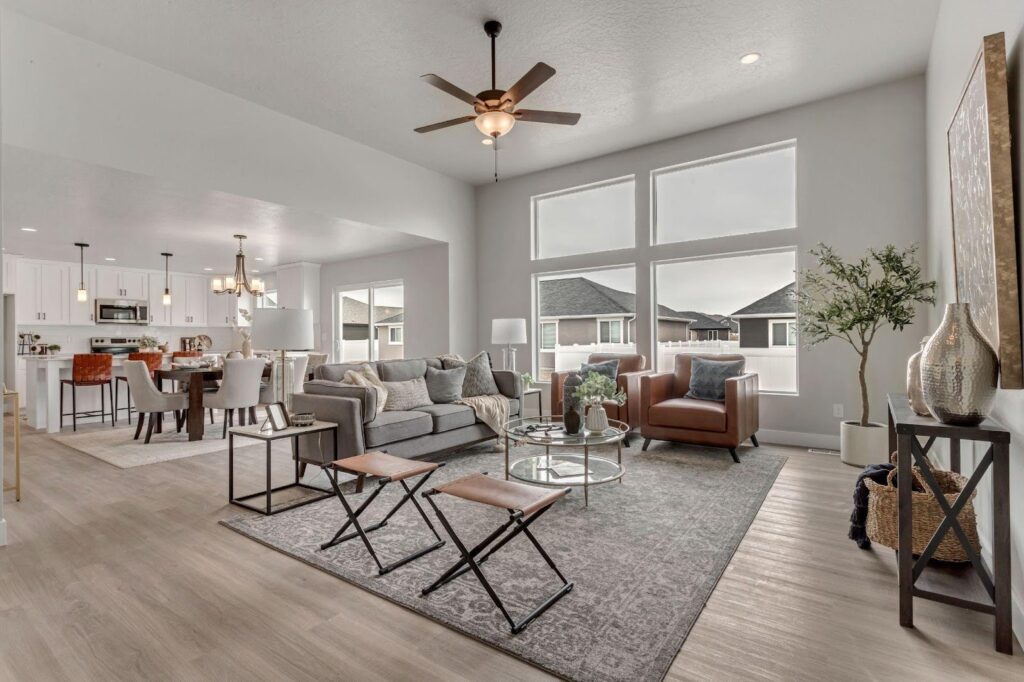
(495, 110)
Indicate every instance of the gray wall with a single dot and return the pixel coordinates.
(961, 26)
(425, 275)
(754, 333)
(861, 183)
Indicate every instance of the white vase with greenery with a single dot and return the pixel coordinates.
(853, 301)
(595, 390)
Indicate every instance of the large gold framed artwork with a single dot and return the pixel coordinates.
(981, 191)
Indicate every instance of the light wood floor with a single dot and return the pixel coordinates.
(125, 574)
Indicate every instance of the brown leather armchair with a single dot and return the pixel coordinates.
(631, 368)
(665, 414)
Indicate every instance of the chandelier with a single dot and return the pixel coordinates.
(235, 284)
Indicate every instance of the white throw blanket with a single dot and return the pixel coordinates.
(490, 409)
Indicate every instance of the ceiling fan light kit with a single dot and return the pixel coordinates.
(495, 112)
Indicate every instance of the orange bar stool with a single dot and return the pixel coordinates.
(154, 361)
(89, 369)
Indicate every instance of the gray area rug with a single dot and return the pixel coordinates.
(644, 557)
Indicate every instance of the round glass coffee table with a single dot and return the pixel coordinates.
(560, 469)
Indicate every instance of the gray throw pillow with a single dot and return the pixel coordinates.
(609, 368)
(479, 378)
(405, 395)
(707, 377)
(445, 385)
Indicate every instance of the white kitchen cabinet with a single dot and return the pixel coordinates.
(188, 300)
(159, 314)
(121, 283)
(222, 309)
(41, 296)
(81, 313)
(10, 274)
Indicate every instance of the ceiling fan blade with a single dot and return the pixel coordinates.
(445, 124)
(453, 90)
(537, 116)
(533, 79)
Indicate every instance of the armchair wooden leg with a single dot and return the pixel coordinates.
(753, 439)
(735, 457)
(149, 427)
(647, 441)
(138, 427)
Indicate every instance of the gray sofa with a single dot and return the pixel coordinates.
(422, 432)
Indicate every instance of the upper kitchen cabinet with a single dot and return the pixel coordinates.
(121, 283)
(188, 300)
(159, 314)
(42, 293)
(10, 274)
(222, 309)
(81, 312)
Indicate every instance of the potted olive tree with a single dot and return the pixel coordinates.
(852, 301)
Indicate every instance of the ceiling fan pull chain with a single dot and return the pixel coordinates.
(495, 159)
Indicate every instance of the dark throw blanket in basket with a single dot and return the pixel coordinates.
(859, 516)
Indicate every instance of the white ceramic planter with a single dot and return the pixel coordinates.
(863, 445)
(597, 418)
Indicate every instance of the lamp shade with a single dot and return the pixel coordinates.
(282, 329)
(508, 331)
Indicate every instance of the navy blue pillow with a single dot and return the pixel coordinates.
(707, 377)
(609, 368)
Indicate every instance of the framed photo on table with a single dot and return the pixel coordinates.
(277, 416)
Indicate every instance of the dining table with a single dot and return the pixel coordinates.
(197, 378)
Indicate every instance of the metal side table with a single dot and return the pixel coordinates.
(268, 436)
(905, 427)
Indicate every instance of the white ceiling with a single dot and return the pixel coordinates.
(638, 70)
(133, 218)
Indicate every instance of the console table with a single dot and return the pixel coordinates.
(905, 427)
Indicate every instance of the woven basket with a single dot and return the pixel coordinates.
(883, 515)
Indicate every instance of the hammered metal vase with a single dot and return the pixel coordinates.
(915, 394)
(572, 407)
(959, 369)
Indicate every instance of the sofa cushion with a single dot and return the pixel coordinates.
(402, 370)
(445, 385)
(448, 417)
(367, 376)
(479, 377)
(608, 368)
(707, 377)
(628, 362)
(406, 395)
(394, 426)
(336, 372)
(687, 413)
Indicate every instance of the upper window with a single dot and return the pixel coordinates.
(598, 217)
(394, 335)
(548, 335)
(783, 333)
(750, 191)
(610, 331)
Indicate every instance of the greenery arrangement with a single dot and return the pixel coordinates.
(148, 342)
(597, 388)
(853, 300)
(53, 348)
(527, 379)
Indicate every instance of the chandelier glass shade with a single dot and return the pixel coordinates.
(238, 282)
(495, 123)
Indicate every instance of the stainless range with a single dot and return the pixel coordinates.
(115, 345)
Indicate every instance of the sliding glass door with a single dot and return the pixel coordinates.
(369, 322)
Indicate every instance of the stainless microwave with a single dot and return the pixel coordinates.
(121, 311)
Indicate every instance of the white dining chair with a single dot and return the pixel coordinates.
(239, 390)
(150, 401)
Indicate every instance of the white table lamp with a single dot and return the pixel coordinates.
(282, 329)
(508, 332)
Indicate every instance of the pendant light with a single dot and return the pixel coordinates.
(167, 278)
(82, 295)
(238, 282)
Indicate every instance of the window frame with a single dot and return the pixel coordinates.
(540, 336)
(710, 160)
(710, 332)
(609, 321)
(536, 199)
(373, 333)
(392, 328)
(791, 328)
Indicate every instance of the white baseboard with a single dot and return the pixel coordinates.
(807, 440)
(1016, 604)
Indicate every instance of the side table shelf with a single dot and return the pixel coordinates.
(905, 429)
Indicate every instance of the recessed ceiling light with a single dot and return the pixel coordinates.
(208, 269)
(254, 271)
(487, 141)
(29, 229)
(257, 258)
(750, 58)
(110, 259)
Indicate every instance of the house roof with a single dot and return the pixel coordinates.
(581, 297)
(781, 302)
(356, 312)
(394, 319)
(702, 321)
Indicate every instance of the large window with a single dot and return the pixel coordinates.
(740, 304)
(365, 315)
(580, 313)
(598, 217)
(742, 193)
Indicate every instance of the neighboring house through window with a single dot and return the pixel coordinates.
(548, 335)
(394, 335)
(609, 331)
